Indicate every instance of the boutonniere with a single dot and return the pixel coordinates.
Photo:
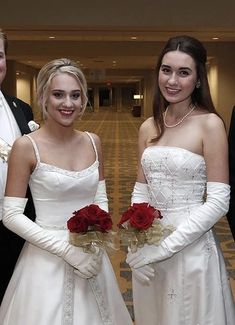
(14, 104)
(33, 126)
(5, 150)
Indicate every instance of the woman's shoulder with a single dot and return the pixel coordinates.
(22, 143)
(22, 150)
(94, 136)
(207, 119)
(148, 123)
(90, 136)
(212, 121)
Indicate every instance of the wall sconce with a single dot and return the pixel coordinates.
(138, 96)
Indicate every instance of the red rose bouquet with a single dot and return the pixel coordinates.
(140, 224)
(90, 227)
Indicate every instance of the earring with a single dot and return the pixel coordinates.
(198, 84)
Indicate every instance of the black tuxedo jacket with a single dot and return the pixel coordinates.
(10, 243)
(231, 140)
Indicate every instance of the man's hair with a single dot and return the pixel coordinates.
(3, 37)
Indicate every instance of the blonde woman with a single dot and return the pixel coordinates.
(55, 282)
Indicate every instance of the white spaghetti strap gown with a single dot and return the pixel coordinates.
(44, 290)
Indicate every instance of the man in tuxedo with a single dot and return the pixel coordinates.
(231, 140)
(14, 118)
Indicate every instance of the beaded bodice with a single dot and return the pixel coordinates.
(176, 177)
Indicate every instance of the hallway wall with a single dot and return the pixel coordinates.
(162, 14)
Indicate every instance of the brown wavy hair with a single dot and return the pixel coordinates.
(201, 96)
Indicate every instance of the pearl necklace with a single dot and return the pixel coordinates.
(181, 120)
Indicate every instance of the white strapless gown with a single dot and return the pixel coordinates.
(191, 287)
(44, 289)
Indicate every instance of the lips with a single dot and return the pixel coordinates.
(66, 112)
(172, 91)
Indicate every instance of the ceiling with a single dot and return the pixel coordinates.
(118, 55)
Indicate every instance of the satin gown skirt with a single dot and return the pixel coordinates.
(191, 287)
(39, 294)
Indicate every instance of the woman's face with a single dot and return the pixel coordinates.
(177, 76)
(64, 99)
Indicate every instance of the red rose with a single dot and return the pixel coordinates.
(126, 216)
(140, 216)
(78, 223)
(90, 217)
(104, 221)
(93, 211)
(105, 224)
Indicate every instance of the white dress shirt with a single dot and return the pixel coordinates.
(9, 132)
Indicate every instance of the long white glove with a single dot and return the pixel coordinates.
(140, 193)
(101, 196)
(144, 274)
(87, 265)
(194, 226)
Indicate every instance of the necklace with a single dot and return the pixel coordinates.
(181, 120)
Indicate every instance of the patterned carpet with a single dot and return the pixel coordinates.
(119, 132)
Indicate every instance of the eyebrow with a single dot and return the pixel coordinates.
(57, 89)
(181, 68)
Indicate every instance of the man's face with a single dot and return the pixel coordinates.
(3, 67)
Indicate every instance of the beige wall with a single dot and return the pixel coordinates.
(198, 14)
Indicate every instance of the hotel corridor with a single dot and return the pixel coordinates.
(118, 132)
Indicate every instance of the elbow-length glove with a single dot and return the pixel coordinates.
(101, 196)
(140, 193)
(194, 226)
(86, 265)
(145, 273)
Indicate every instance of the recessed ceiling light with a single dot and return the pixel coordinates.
(215, 38)
(51, 37)
(134, 37)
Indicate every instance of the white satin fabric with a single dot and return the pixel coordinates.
(191, 287)
(44, 289)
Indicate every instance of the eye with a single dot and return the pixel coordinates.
(184, 73)
(76, 95)
(57, 94)
(165, 70)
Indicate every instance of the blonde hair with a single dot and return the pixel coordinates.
(49, 71)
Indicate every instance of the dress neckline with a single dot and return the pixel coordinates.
(176, 148)
(67, 171)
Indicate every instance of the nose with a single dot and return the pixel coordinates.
(173, 80)
(67, 101)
